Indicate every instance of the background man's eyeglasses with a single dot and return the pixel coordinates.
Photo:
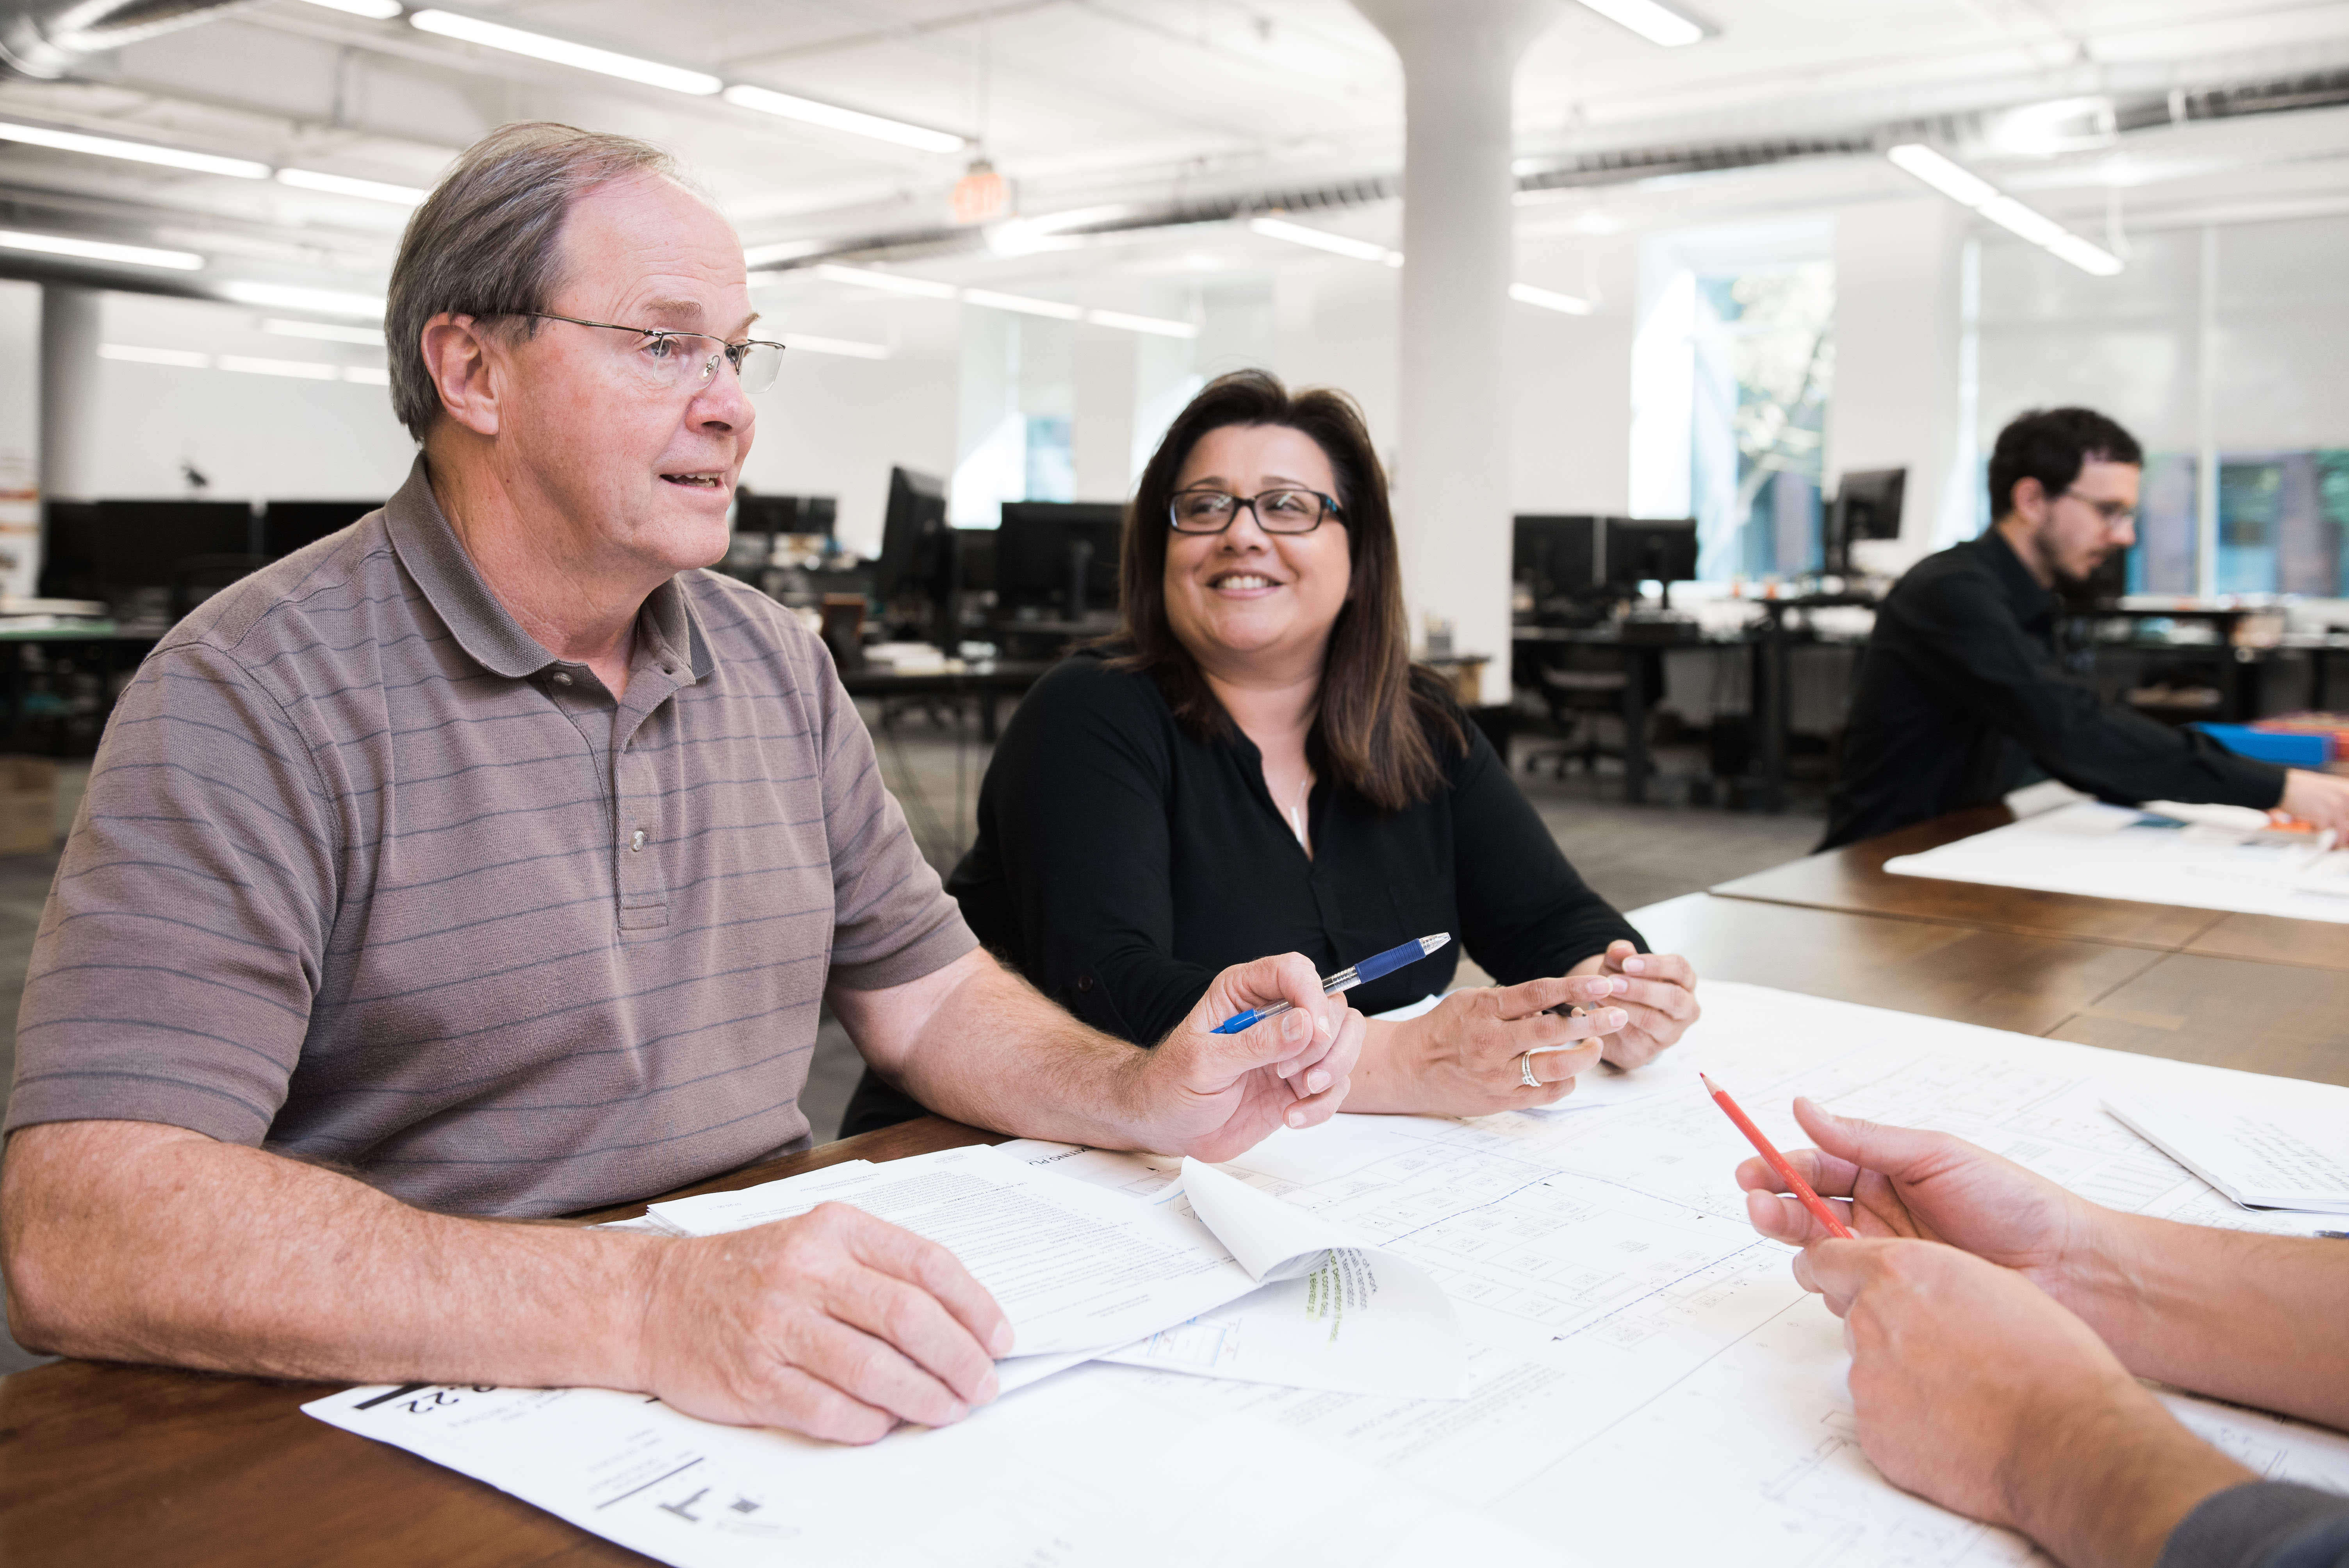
(2117, 514)
(1277, 511)
(675, 361)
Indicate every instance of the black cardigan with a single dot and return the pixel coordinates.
(1123, 859)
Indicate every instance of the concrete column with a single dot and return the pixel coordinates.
(71, 416)
(1459, 60)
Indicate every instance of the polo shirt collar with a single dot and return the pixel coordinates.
(432, 554)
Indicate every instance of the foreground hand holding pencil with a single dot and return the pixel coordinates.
(1998, 1326)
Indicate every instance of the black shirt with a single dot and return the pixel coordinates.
(1123, 859)
(1960, 689)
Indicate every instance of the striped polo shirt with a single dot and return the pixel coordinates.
(366, 876)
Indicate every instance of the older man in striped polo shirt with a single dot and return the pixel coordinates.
(490, 858)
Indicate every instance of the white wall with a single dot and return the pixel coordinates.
(254, 436)
(1570, 378)
(1894, 404)
(20, 438)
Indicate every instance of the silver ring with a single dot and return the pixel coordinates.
(1526, 1071)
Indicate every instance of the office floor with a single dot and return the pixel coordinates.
(1633, 855)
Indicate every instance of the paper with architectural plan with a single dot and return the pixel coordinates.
(1631, 1347)
(2288, 1150)
(2117, 851)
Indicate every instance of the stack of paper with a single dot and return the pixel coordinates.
(2263, 1157)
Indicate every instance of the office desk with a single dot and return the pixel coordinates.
(1641, 646)
(131, 1464)
(987, 682)
(1853, 879)
(105, 1464)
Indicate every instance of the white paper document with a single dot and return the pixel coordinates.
(2117, 851)
(1331, 1315)
(1644, 1381)
(2290, 1152)
(1074, 1268)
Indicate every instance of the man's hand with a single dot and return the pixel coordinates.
(2322, 799)
(1975, 1391)
(1930, 1185)
(835, 1324)
(1468, 1056)
(1660, 1001)
(1214, 1096)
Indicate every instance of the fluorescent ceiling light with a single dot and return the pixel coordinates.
(1658, 23)
(1963, 186)
(300, 370)
(326, 332)
(563, 52)
(1322, 240)
(286, 296)
(890, 283)
(136, 152)
(1571, 304)
(1971, 190)
(784, 251)
(832, 117)
(185, 359)
(847, 348)
(373, 10)
(1023, 304)
(344, 185)
(99, 250)
(1078, 218)
(1157, 326)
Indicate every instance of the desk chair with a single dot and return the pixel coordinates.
(1577, 693)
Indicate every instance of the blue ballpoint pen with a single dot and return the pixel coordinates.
(1386, 962)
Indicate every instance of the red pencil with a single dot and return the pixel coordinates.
(1778, 1163)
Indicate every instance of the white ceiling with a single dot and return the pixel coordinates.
(1084, 101)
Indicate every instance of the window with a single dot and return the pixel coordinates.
(1764, 354)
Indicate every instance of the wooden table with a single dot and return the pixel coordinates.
(104, 1464)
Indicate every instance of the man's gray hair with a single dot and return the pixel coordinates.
(484, 243)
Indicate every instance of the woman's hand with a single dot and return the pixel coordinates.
(1470, 1054)
(1659, 999)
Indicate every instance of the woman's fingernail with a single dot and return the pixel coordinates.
(1329, 1028)
(1636, 965)
(999, 1342)
(1293, 1026)
(1316, 1081)
(1617, 1018)
(1296, 1118)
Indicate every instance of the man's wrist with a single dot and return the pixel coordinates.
(2101, 1484)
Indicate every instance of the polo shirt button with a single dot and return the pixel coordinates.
(562, 679)
(1085, 981)
(636, 841)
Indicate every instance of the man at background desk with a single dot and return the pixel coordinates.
(1959, 693)
(488, 858)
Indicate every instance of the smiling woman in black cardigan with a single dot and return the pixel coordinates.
(1253, 766)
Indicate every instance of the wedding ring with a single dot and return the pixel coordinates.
(1526, 1072)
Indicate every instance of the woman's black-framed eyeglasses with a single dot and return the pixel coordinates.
(1286, 510)
(669, 360)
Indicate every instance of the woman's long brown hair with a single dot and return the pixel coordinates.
(1376, 720)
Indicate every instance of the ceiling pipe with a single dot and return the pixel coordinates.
(47, 38)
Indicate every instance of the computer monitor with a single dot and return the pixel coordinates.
(774, 514)
(145, 543)
(1058, 560)
(913, 578)
(68, 550)
(1867, 506)
(1649, 549)
(287, 525)
(1556, 557)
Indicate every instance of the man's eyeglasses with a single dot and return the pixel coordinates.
(2117, 514)
(1205, 510)
(671, 361)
